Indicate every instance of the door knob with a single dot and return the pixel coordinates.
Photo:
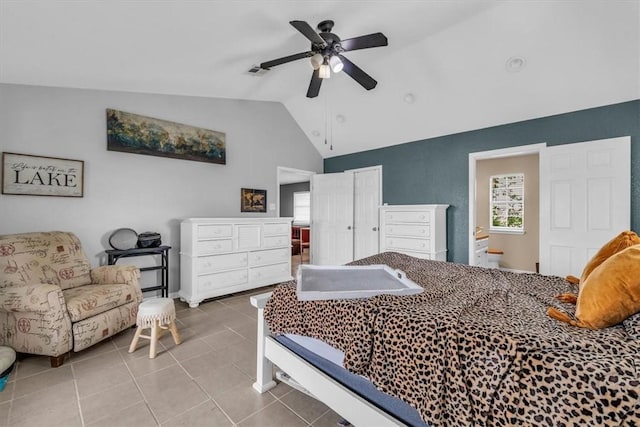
(375, 229)
(348, 227)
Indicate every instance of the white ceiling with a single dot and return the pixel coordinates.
(451, 55)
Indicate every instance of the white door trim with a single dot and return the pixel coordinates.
(483, 155)
(281, 169)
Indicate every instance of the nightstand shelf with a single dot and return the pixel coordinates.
(113, 255)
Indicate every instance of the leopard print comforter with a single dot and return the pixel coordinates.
(476, 347)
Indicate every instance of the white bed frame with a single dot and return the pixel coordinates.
(343, 401)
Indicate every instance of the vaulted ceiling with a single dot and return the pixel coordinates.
(446, 68)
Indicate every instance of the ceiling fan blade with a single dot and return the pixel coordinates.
(308, 32)
(365, 80)
(285, 59)
(314, 85)
(364, 42)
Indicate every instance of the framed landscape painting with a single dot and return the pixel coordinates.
(133, 133)
(253, 200)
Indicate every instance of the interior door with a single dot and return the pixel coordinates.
(584, 201)
(367, 200)
(332, 218)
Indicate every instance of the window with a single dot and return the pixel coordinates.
(302, 207)
(506, 208)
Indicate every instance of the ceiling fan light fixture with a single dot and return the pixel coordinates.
(336, 64)
(324, 72)
(316, 61)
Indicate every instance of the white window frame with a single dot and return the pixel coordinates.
(506, 191)
(296, 220)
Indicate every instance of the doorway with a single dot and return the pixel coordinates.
(485, 162)
(291, 185)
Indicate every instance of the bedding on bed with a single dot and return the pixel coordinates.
(476, 347)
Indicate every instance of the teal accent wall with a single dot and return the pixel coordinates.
(435, 170)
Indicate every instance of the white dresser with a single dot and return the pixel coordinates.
(219, 256)
(416, 230)
(481, 248)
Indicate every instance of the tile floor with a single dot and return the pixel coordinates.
(205, 381)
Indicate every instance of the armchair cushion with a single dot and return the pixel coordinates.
(31, 298)
(88, 301)
(54, 257)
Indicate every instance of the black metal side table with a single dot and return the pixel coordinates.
(114, 254)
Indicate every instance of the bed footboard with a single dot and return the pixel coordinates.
(264, 367)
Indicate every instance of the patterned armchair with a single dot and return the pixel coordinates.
(51, 301)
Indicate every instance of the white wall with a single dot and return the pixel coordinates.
(146, 193)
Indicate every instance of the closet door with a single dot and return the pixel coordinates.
(367, 200)
(584, 201)
(332, 218)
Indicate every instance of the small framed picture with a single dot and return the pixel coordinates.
(29, 175)
(252, 200)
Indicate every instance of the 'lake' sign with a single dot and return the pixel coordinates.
(42, 176)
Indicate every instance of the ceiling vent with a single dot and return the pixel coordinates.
(256, 71)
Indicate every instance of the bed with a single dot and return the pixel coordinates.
(475, 348)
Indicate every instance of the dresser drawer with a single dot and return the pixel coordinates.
(408, 216)
(482, 244)
(206, 247)
(210, 264)
(273, 229)
(269, 257)
(213, 231)
(409, 230)
(270, 272)
(222, 280)
(275, 241)
(402, 243)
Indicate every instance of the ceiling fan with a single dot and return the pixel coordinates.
(326, 54)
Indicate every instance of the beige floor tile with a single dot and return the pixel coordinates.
(247, 364)
(7, 394)
(170, 392)
(4, 413)
(244, 306)
(206, 414)
(223, 339)
(212, 306)
(242, 401)
(217, 381)
(102, 347)
(201, 327)
(61, 407)
(189, 348)
(43, 380)
(307, 407)
(123, 339)
(101, 379)
(32, 364)
(329, 419)
(280, 390)
(248, 331)
(137, 415)
(99, 361)
(194, 319)
(184, 314)
(200, 365)
(185, 334)
(110, 401)
(140, 366)
(273, 415)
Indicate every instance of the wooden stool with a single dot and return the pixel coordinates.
(159, 315)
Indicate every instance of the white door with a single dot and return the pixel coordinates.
(367, 200)
(584, 201)
(332, 218)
